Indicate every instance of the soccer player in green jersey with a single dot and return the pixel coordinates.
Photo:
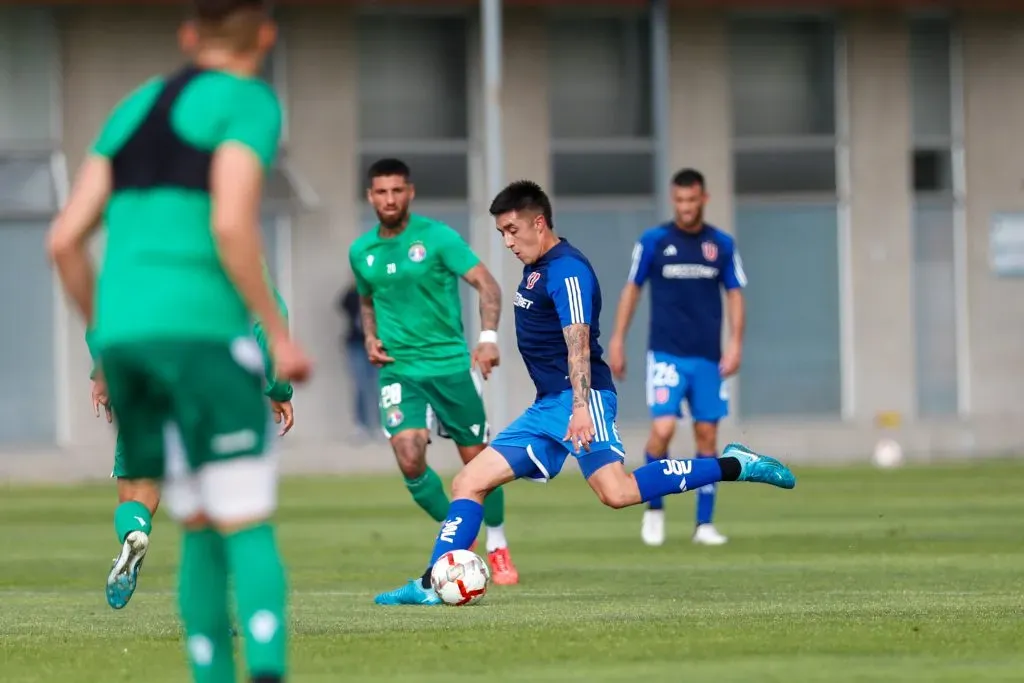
(407, 271)
(138, 498)
(176, 177)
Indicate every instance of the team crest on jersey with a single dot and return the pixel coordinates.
(394, 417)
(661, 395)
(710, 250)
(417, 252)
(532, 280)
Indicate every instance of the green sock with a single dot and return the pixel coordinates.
(428, 492)
(203, 601)
(494, 508)
(132, 516)
(260, 594)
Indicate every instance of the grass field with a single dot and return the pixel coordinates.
(857, 575)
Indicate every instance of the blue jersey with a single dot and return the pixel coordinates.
(559, 290)
(686, 272)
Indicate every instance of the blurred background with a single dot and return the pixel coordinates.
(868, 160)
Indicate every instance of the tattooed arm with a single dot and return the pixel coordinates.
(490, 295)
(577, 340)
(486, 355)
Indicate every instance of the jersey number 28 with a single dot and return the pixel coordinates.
(390, 395)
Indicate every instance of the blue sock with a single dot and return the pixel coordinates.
(459, 529)
(666, 477)
(657, 503)
(706, 498)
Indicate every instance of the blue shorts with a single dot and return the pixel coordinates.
(698, 381)
(533, 444)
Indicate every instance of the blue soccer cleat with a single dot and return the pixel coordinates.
(124, 575)
(761, 469)
(412, 593)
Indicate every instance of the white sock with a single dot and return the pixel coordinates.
(496, 538)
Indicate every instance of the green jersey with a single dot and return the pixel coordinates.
(161, 276)
(414, 281)
(274, 389)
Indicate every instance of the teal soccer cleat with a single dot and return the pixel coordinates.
(761, 469)
(412, 593)
(124, 575)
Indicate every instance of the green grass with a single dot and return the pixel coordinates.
(857, 575)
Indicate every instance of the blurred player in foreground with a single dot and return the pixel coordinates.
(177, 174)
(138, 499)
(557, 309)
(687, 263)
(407, 271)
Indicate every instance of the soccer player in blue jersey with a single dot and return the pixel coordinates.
(687, 263)
(557, 309)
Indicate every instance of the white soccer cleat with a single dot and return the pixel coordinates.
(653, 530)
(707, 534)
(124, 575)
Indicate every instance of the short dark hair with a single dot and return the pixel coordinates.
(689, 177)
(523, 195)
(386, 167)
(219, 10)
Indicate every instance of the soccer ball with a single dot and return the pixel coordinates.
(888, 454)
(460, 577)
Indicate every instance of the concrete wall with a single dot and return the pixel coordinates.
(321, 95)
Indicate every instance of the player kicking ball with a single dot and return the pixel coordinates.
(407, 271)
(138, 497)
(557, 309)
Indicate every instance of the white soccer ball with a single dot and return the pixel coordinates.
(888, 454)
(460, 577)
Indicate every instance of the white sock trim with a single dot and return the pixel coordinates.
(496, 538)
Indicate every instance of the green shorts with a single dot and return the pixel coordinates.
(182, 404)
(456, 401)
(119, 471)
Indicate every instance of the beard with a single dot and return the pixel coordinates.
(393, 222)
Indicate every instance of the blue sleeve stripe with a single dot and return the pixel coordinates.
(737, 266)
(638, 252)
(572, 287)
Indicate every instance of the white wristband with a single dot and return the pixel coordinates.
(488, 337)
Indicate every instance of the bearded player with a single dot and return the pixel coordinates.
(407, 270)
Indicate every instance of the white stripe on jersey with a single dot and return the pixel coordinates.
(572, 287)
(638, 252)
(737, 265)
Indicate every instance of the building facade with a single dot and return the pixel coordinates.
(862, 158)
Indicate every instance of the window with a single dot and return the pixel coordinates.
(29, 54)
(935, 215)
(783, 101)
(600, 100)
(29, 196)
(413, 99)
(791, 360)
